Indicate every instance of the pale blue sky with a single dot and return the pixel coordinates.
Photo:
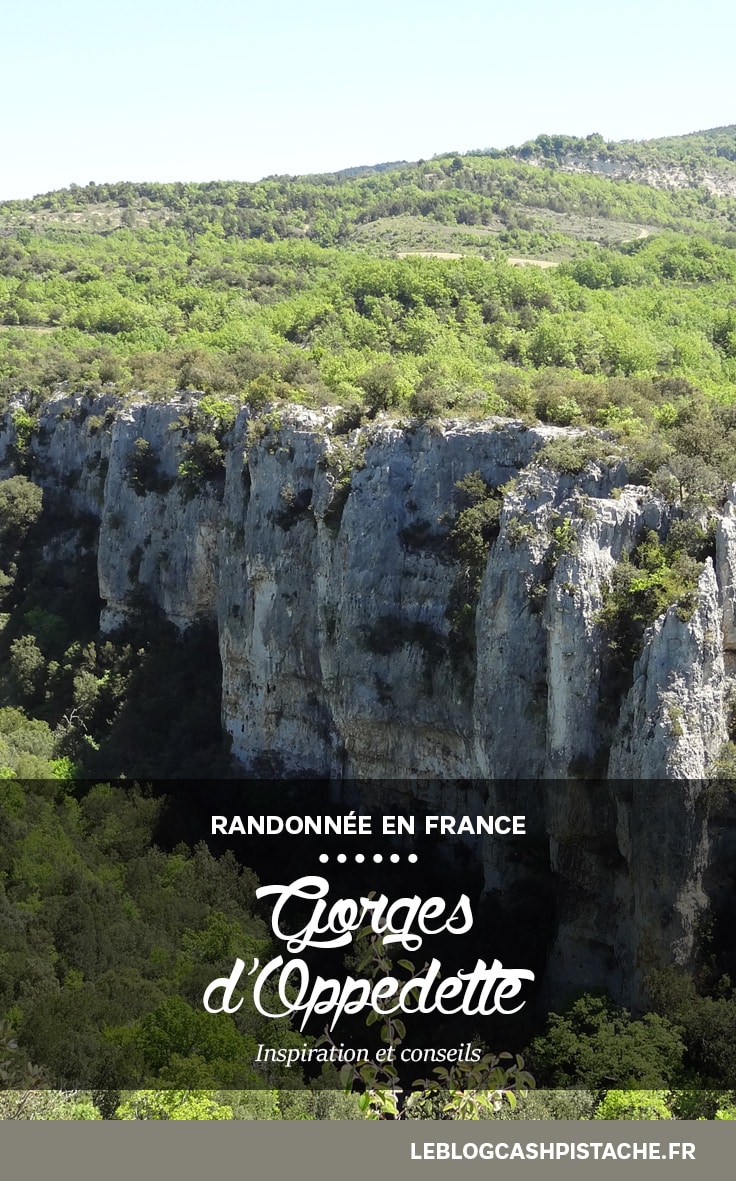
(158, 90)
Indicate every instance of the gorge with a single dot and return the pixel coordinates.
(353, 644)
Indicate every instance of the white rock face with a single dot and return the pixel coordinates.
(344, 646)
(717, 181)
(159, 540)
(336, 644)
(346, 649)
(672, 724)
(726, 568)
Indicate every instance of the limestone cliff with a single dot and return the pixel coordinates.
(349, 648)
(717, 179)
(349, 643)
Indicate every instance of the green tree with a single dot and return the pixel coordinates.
(637, 1105)
(21, 502)
(595, 1044)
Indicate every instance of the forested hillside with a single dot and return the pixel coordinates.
(294, 288)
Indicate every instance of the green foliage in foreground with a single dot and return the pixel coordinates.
(637, 1105)
(672, 1062)
(326, 1105)
(596, 1046)
(178, 1105)
(105, 935)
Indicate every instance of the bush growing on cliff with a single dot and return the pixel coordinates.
(472, 532)
(570, 456)
(142, 467)
(476, 526)
(656, 576)
(724, 771)
(203, 461)
(341, 459)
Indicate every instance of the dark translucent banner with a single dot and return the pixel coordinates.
(375, 935)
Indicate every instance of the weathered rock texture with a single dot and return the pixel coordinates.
(717, 179)
(346, 649)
